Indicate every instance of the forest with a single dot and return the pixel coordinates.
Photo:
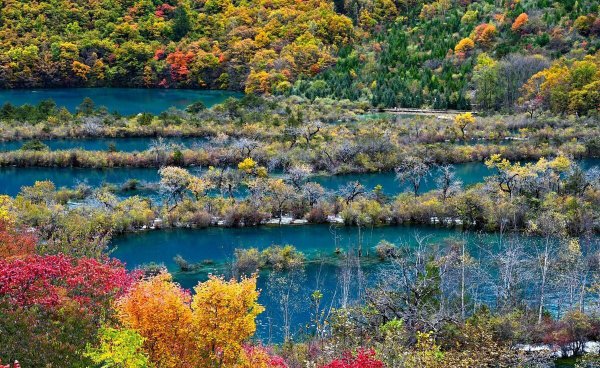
(385, 184)
(444, 54)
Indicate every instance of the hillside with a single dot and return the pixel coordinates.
(217, 44)
(458, 54)
(403, 53)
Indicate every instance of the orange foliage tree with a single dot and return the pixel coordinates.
(13, 243)
(180, 332)
(519, 22)
(484, 34)
(159, 311)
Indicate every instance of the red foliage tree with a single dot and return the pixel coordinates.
(14, 243)
(363, 359)
(51, 281)
(15, 365)
(164, 10)
(258, 356)
(178, 61)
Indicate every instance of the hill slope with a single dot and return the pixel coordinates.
(428, 55)
(167, 43)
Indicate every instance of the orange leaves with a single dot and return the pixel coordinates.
(484, 34)
(159, 311)
(13, 243)
(178, 61)
(159, 54)
(258, 82)
(518, 24)
(209, 330)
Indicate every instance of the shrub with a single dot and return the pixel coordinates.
(362, 359)
(386, 250)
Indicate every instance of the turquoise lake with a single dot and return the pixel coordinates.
(130, 144)
(315, 241)
(126, 101)
(13, 178)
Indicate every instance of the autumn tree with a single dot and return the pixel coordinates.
(520, 22)
(224, 314)
(53, 306)
(175, 182)
(462, 121)
(207, 330)
(118, 348)
(14, 242)
(159, 310)
(413, 170)
(463, 46)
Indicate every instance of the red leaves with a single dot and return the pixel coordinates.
(363, 359)
(50, 281)
(159, 54)
(163, 10)
(15, 244)
(258, 356)
(179, 64)
(15, 365)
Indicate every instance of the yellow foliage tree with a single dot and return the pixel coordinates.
(224, 314)
(462, 121)
(80, 69)
(464, 45)
(247, 166)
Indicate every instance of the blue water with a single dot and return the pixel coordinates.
(13, 178)
(469, 173)
(126, 101)
(132, 144)
(317, 242)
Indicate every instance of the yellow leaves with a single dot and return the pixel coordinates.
(6, 204)
(210, 330)
(461, 121)
(560, 164)
(224, 314)
(247, 165)
(262, 172)
(464, 119)
(427, 353)
(250, 167)
(464, 45)
(199, 186)
(469, 17)
(258, 82)
(567, 85)
(80, 69)
(573, 246)
(68, 51)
